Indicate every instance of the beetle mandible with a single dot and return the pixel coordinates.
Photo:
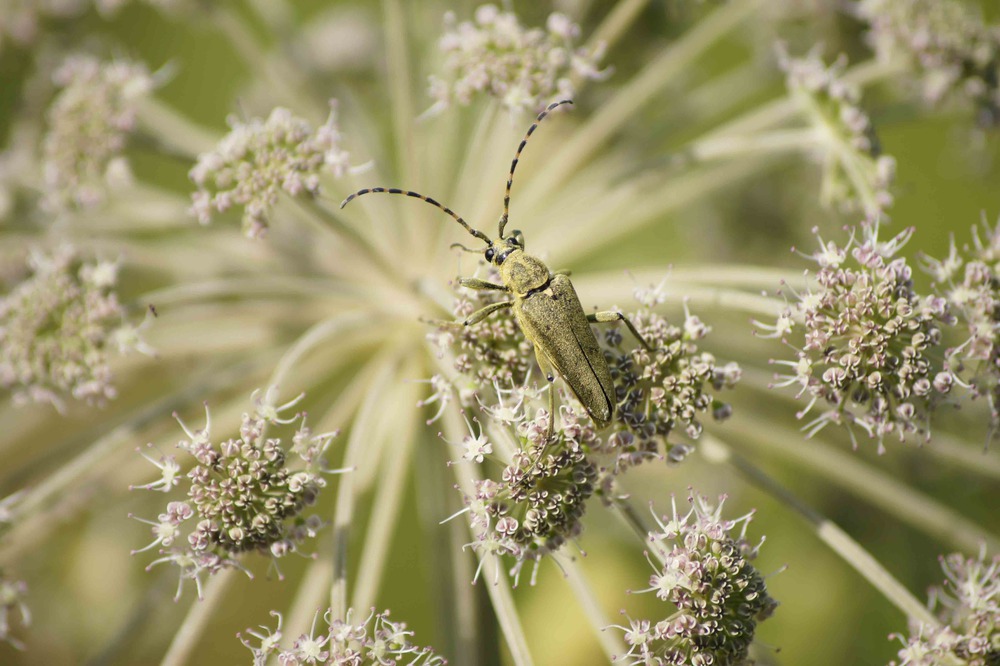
(545, 305)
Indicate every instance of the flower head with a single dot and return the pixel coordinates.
(540, 497)
(869, 341)
(242, 495)
(968, 605)
(856, 173)
(88, 124)
(376, 641)
(260, 159)
(525, 68)
(703, 570)
(661, 390)
(969, 282)
(957, 55)
(57, 328)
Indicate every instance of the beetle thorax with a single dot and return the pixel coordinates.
(523, 273)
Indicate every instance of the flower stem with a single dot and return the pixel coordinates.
(828, 532)
(496, 581)
(173, 132)
(363, 431)
(388, 494)
(610, 642)
(614, 25)
(876, 487)
(622, 106)
(197, 619)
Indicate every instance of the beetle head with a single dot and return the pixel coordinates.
(498, 251)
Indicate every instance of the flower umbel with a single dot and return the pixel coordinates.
(855, 172)
(869, 340)
(377, 641)
(968, 605)
(89, 122)
(703, 570)
(540, 497)
(955, 52)
(57, 328)
(242, 495)
(525, 68)
(260, 159)
(661, 390)
(969, 281)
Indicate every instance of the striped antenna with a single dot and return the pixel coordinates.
(392, 190)
(517, 156)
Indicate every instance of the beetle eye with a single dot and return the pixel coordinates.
(489, 254)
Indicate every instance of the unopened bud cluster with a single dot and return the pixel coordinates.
(539, 498)
(242, 493)
(58, 327)
(716, 596)
(89, 122)
(260, 160)
(856, 173)
(871, 351)
(375, 641)
(968, 606)
(524, 68)
(957, 55)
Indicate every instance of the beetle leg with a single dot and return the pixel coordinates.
(475, 283)
(473, 318)
(609, 316)
(485, 312)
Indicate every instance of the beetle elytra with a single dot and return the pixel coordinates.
(545, 305)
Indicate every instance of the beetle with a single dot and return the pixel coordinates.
(545, 304)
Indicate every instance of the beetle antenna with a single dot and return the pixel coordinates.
(392, 190)
(463, 248)
(517, 156)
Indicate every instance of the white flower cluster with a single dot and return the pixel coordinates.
(88, 124)
(856, 172)
(525, 68)
(260, 159)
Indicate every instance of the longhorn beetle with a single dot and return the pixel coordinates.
(545, 305)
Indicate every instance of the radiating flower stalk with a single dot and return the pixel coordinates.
(346, 305)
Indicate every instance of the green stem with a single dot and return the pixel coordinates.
(828, 532)
(175, 132)
(614, 25)
(401, 105)
(362, 434)
(610, 642)
(623, 105)
(880, 489)
(388, 495)
(198, 619)
(283, 81)
(970, 458)
(493, 575)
